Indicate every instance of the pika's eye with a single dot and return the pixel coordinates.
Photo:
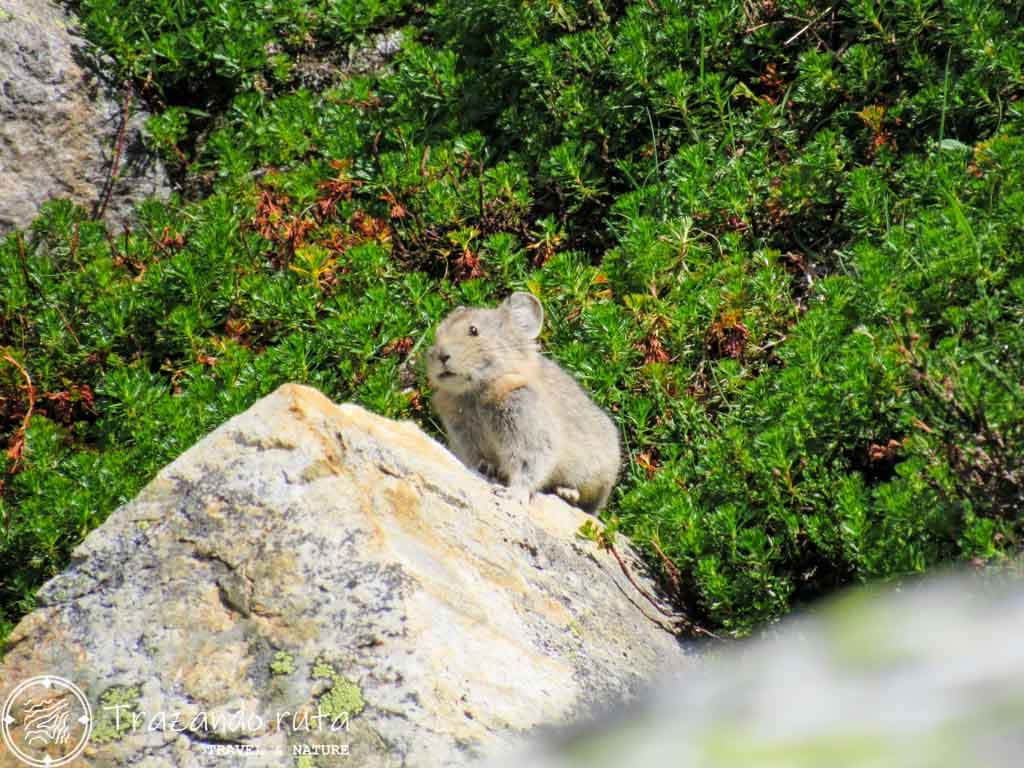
(474, 331)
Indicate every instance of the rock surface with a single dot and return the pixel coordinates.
(59, 121)
(322, 69)
(928, 677)
(306, 559)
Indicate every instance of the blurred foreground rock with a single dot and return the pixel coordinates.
(59, 121)
(309, 560)
(931, 677)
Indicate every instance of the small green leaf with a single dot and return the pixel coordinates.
(954, 145)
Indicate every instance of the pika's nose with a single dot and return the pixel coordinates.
(444, 357)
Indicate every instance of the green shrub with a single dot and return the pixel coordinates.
(780, 242)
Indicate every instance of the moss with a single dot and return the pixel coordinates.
(114, 716)
(283, 663)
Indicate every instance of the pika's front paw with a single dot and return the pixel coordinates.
(487, 469)
(569, 494)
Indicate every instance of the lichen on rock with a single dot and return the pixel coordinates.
(283, 663)
(118, 706)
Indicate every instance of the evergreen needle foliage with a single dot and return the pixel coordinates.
(779, 240)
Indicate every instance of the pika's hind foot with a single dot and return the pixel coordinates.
(570, 495)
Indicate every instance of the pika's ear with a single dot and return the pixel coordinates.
(525, 311)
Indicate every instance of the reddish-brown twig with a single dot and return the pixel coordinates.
(17, 442)
(674, 617)
(118, 150)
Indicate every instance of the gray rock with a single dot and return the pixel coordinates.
(373, 57)
(307, 558)
(931, 676)
(59, 121)
(319, 70)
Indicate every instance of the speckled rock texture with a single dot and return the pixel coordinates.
(311, 559)
(60, 119)
(931, 676)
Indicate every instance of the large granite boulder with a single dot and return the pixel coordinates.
(312, 584)
(60, 119)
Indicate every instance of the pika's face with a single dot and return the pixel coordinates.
(473, 347)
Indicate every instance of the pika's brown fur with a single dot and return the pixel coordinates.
(513, 414)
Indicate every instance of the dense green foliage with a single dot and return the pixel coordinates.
(781, 241)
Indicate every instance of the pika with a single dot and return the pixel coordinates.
(514, 415)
